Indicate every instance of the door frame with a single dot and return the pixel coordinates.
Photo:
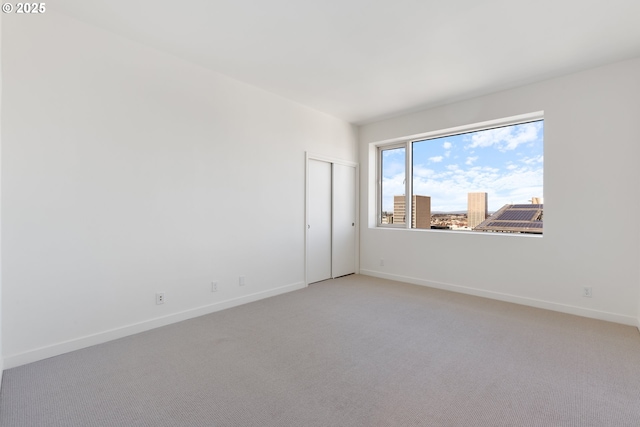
(332, 160)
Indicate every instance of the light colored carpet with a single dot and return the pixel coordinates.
(355, 351)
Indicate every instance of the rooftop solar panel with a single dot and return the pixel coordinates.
(517, 215)
(505, 224)
(523, 206)
(520, 218)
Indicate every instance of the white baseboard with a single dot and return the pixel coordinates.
(15, 360)
(547, 305)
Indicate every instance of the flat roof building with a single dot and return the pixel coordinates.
(420, 215)
(477, 208)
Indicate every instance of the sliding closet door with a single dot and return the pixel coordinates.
(344, 220)
(319, 222)
(331, 219)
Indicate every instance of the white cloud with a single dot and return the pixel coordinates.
(448, 184)
(532, 160)
(471, 160)
(392, 166)
(506, 138)
(392, 186)
(423, 172)
(448, 190)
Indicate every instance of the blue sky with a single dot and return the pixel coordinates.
(505, 162)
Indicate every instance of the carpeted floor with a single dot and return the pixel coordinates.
(355, 351)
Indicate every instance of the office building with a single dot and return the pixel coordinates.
(420, 215)
(477, 209)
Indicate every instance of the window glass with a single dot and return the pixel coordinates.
(392, 187)
(489, 180)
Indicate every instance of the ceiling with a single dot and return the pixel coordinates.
(363, 60)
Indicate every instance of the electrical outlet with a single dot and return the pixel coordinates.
(381, 262)
(214, 286)
(160, 298)
(241, 281)
(587, 292)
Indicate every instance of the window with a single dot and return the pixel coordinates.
(480, 178)
(392, 187)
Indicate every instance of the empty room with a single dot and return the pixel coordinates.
(353, 213)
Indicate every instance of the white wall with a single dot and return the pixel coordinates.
(591, 189)
(127, 171)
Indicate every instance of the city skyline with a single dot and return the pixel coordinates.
(511, 218)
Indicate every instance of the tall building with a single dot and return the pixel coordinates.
(398, 210)
(421, 214)
(477, 209)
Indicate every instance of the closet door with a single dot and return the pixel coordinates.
(343, 248)
(319, 221)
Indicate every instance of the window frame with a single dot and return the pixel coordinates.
(407, 144)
